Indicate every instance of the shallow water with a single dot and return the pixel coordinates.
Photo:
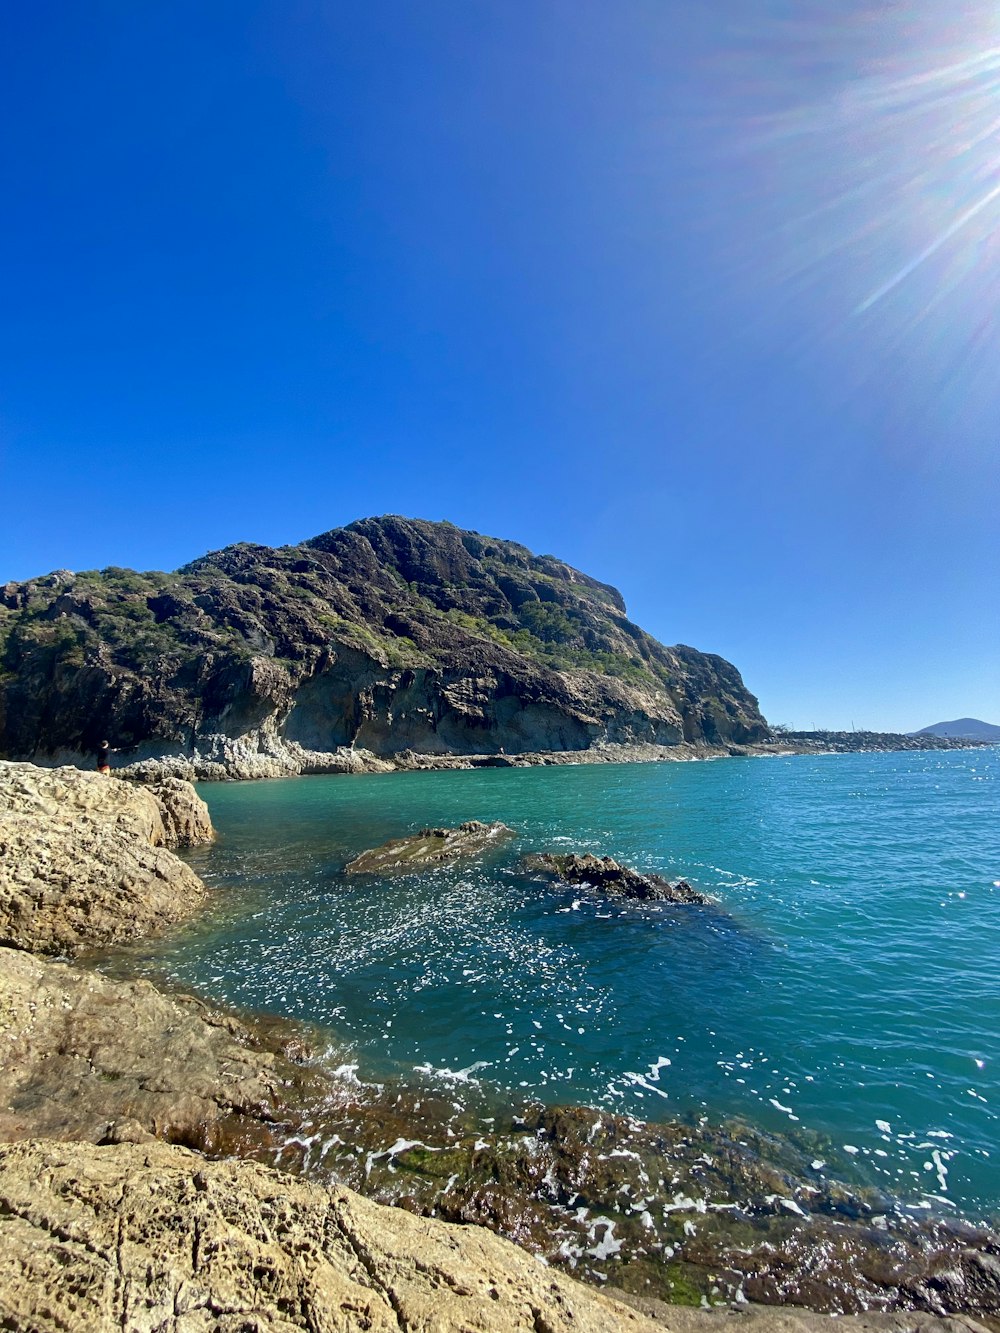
(844, 989)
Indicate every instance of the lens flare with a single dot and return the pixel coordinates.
(865, 169)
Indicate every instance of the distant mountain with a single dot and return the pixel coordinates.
(967, 728)
(388, 634)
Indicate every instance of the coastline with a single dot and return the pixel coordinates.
(684, 1212)
(756, 1228)
(270, 756)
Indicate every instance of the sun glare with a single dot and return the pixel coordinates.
(875, 190)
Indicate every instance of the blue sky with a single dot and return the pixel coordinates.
(700, 298)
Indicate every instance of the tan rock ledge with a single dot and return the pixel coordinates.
(84, 859)
(155, 1238)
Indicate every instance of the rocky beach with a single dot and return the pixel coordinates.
(170, 1163)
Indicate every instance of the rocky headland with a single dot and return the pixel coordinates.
(386, 636)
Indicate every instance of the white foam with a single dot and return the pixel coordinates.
(607, 1245)
(453, 1075)
(940, 1170)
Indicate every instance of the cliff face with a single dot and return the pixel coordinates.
(389, 634)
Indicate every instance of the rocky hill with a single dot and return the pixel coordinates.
(391, 634)
(963, 728)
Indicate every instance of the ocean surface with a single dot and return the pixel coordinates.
(843, 990)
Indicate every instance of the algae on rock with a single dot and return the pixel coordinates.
(428, 848)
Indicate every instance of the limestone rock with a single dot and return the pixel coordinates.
(152, 1237)
(83, 861)
(186, 821)
(429, 847)
(605, 874)
(86, 1057)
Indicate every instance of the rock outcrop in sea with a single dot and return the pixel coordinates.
(606, 875)
(388, 635)
(428, 848)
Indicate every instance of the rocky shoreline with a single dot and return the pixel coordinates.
(225, 759)
(115, 1095)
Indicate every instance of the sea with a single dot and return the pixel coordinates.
(841, 989)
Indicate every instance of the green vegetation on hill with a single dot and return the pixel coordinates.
(145, 653)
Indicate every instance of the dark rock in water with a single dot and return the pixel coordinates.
(389, 635)
(601, 872)
(428, 848)
(678, 1212)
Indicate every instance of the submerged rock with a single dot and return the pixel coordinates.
(678, 1212)
(84, 859)
(601, 872)
(429, 847)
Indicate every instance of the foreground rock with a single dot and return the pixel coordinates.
(669, 1211)
(428, 848)
(154, 1237)
(601, 872)
(84, 859)
(87, 1057)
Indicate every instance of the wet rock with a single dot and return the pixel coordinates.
(83, 859)
(790, 1319)
(428, 848)
(605, 874)
(679, 1212)
(88, 1057)
(154, 1237)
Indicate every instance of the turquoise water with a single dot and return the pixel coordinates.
(845, 990)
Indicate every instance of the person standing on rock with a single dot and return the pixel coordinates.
(104, 758)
